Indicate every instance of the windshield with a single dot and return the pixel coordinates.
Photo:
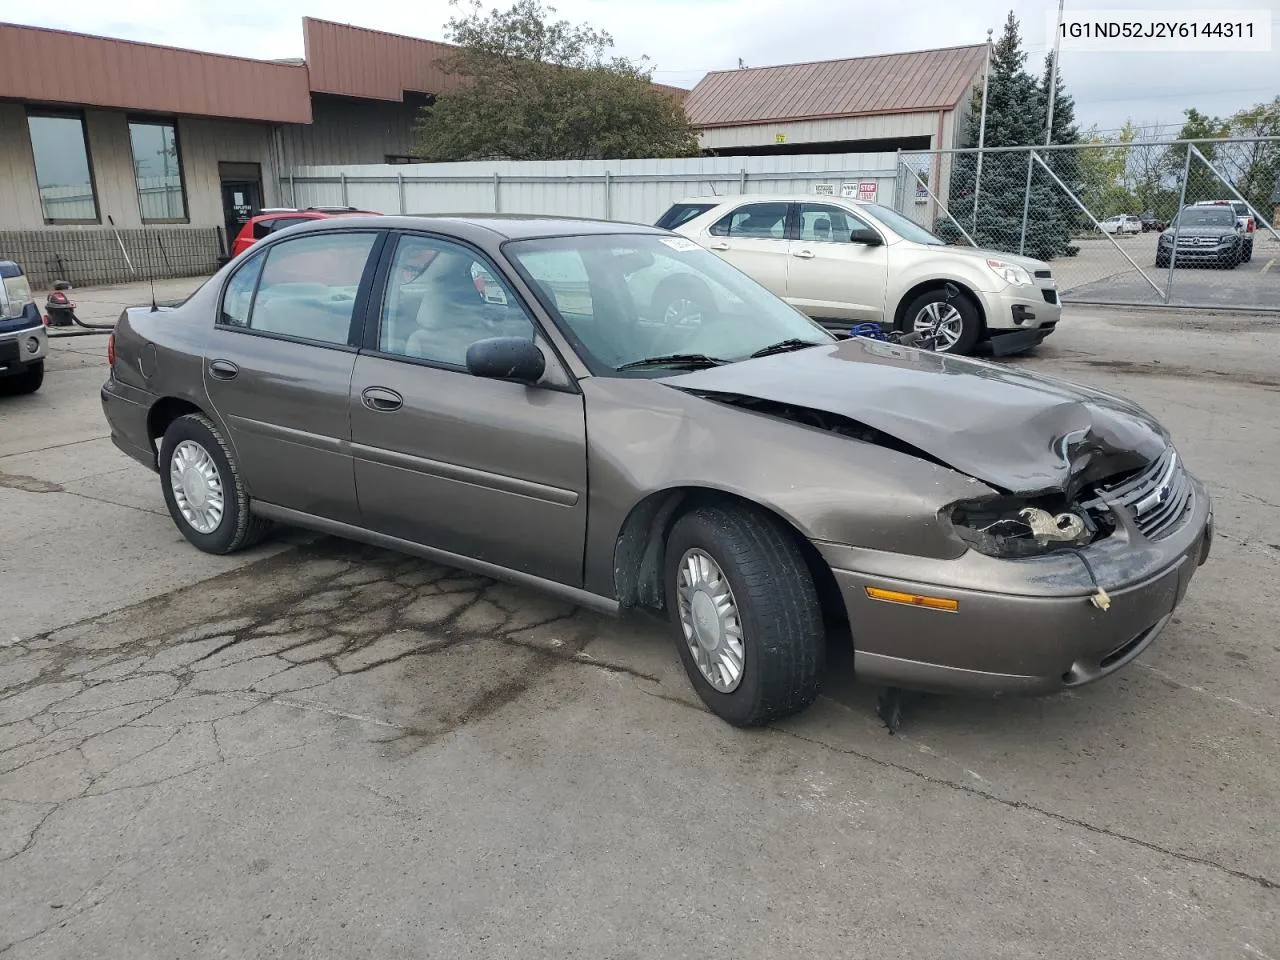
(1206, 217)
(628, 298)
(904, 227)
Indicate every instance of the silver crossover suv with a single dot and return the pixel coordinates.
(497, 393)
(843, 261)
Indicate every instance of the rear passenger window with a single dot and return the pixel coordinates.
(308, 286)
(761, 221)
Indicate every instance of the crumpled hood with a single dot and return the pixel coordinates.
(1016, 431)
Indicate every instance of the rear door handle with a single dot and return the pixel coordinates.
(719, 246)
(381, 400)
(223, 370)
(803, 254)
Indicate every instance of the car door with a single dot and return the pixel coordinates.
(830, 277)
(487, 469)
(278, 368)
(753, 237)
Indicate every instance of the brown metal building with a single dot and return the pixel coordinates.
(175, 148)
(909, 101)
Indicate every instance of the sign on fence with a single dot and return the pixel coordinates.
(864, 190)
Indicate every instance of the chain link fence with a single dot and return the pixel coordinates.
(1106, 216)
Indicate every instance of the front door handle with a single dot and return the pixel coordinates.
(803, 254)
(381, 400)
(223, 370)
(719, 246)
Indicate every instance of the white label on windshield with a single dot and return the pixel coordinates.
(680, 243)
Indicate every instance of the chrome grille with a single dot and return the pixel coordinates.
(1158, 496)
(1197, 241)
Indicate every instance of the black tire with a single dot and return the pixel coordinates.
(971, 320)
(783, 638)
(238, 527)
(1162, 263)
(28, 381)
(1248, 252)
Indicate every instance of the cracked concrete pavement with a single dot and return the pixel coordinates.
(319, 749)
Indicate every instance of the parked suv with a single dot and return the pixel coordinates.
(844, 261)
(1122, 223)
(1244, 221)
(277, 218)
(1207, 234)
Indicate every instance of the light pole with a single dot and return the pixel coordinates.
(982, 131)
(1053, 75)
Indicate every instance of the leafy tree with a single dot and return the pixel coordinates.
(1016, 117)
(1202, 182)
(1255, 167)
(534, 89)
(1104, 171)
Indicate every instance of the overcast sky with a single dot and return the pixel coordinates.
(687, 38)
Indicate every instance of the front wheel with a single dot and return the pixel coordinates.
(1248, 251)
(203, 490)
(746, 614)
(954, 323)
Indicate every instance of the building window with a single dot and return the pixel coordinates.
(62, 168)
(157, 170)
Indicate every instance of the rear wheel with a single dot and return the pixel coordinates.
(28, 381)
(1248, 251)
(203, 489)
(746, 613)
(954, 322)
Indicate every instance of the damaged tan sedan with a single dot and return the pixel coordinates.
(501, 394)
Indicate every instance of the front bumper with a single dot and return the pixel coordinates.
(1021, 626)
(22, 346)
(1022, 308)
(127, 410)
(1201, 254)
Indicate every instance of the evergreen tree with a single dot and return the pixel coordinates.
(1016, 117)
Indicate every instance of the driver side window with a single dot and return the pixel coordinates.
(760, 221)
(441, 298)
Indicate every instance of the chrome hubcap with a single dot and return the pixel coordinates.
(682, 312)
(942, 321)
(197, 486)
(710, 622)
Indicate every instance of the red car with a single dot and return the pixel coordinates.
(267, 223)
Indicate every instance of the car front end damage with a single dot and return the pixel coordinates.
(1079, 539)
(1041, 601)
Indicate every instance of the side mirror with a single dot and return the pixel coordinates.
(506, 358)
(867, 236)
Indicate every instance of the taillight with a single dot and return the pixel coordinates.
(1250, 227)
(111, 351)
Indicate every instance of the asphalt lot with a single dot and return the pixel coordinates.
(1100, 273)
(319, 750)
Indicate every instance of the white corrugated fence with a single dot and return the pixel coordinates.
(636, 191)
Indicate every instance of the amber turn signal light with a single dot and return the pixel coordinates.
(914, 599)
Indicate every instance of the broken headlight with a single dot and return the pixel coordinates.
(1012, 527)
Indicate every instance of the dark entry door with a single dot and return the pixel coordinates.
(241, 199)
(241, 195)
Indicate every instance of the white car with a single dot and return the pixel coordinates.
(844, 261)
(1121, 224)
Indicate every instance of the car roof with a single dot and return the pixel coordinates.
(502, 226)
(773, 198)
